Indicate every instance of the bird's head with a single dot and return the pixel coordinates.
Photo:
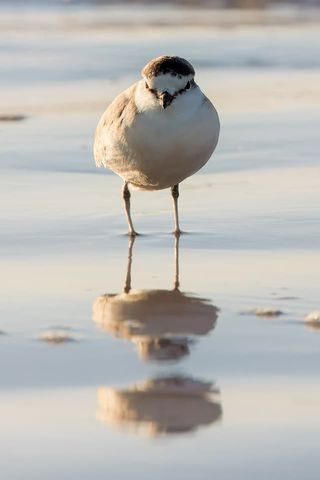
(167, 77)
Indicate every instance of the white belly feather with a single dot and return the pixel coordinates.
(163, 147)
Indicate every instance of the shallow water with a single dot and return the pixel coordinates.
(168, 373)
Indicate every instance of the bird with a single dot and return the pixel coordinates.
(158, 132)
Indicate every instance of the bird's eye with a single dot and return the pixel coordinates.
(188, 86)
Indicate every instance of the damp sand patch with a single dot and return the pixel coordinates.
(312, 320)
(266, 312)
(56, 337)
(12, 118)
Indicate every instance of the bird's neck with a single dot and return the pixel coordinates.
(186, 103)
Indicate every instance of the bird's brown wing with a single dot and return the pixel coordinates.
(110, 132)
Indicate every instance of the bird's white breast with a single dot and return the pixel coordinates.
(165, 146)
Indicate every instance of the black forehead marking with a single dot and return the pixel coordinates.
(175, 66)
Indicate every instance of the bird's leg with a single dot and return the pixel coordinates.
(175, 196)
(126, 197)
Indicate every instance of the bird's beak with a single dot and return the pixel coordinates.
(165, 99)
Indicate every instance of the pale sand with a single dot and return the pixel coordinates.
(253, 220)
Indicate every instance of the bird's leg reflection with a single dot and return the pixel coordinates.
(127, 286)
(176, 284)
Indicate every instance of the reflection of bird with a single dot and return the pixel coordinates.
(161, 406)
(160, 322)
(159, 131)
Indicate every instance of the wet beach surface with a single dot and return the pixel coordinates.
(150, 359)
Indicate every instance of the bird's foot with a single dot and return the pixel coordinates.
(177, 232)
(133, 234)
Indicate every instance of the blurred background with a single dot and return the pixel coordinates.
(192, 3)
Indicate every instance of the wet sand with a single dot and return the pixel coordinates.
(169, 372)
